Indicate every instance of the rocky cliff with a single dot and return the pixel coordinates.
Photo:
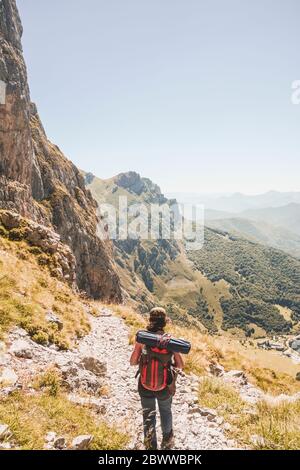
(37, 181)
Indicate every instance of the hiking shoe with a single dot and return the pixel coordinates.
(168, 441)
(150, 442)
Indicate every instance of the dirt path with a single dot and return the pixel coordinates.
(194, 427)
(109, 341)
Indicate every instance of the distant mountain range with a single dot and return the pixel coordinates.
(238, 202)
(272, 218)
(285, 216)
(260, 232)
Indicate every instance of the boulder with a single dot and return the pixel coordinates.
(298, 376)
(295, 344)
(237, 376)
(94, 365)
(21, 348)
(11, 220)
(216, 369)
(59, 443)
(82, 442)
(8, 377)
(76, 378)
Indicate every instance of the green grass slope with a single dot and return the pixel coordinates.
(259, 278)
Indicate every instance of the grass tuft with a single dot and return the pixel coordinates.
(30, 417)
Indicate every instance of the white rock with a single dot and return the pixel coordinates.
(258, 441)
(8, 377)
(94, 365)
(235, 373)
(81, 442)
(216, 369)
(5, 446)
(21, 348)
(227, 427)
(48, 446)
(50, 436)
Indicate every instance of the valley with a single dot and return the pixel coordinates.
(71, 302)
(231, 284)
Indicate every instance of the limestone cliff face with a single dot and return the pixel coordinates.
(19, 173)
(37, 181)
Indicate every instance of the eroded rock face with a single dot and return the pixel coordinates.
(18, 166)
(37, 181)
(61, 260)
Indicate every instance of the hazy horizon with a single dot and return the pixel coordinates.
(194, 95)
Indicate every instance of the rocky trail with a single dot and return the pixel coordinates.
(102, 360)
(195, 428)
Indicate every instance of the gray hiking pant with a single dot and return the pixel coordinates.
(149, 418)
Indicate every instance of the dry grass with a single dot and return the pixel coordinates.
(270, 380)
(49, 381)
(278, 425)
(30, 417)
(208, 349)
(25, 299)
(264, 426)
(214, 393)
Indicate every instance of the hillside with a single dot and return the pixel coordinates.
(259, 232)
(63, 379)
(204, 286)
(259, 278)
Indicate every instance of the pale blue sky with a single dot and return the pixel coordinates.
(194, 94)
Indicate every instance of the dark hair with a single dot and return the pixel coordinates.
(157, 319)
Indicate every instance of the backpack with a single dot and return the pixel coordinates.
(155, 365)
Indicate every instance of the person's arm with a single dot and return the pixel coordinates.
(178, 361)
(136, 354)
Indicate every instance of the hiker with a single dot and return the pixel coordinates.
(163, 374)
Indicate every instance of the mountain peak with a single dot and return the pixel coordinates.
(134, 183)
